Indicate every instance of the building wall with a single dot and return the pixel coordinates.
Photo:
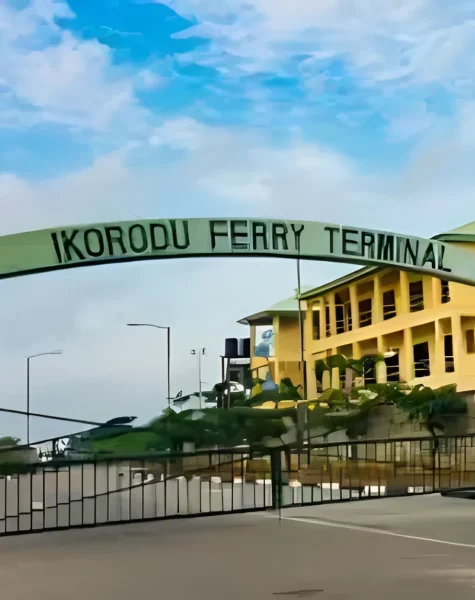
(286, 362)
(403, 331)
(400, 333)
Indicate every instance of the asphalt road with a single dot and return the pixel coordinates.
(421, 548)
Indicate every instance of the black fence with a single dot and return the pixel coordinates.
(45, 488)
(64, 493)
(336, 472)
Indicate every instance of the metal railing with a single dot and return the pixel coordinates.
(389, 311)
(101, 490)
(392, 373)
(422, 368)
(366, 318)
(64, 494)
(416, 302)
(325, 473)
(449, 364)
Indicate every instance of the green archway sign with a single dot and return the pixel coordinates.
(103, 243)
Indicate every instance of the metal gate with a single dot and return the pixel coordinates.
(62, 493)
(338, 472)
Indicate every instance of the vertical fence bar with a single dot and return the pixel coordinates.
(30, 504)
(107, 490)
(94, 492)
(69, 495)
(165, 478)
(142, 478)
(44, 499)
(276, 478)
(242, 481)
(82, 493)
(56, 496)
(18, 502)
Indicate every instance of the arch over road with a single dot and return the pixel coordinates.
(104, 243)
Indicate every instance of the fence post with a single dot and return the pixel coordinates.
(276, 478)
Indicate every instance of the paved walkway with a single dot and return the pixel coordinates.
(421, 548)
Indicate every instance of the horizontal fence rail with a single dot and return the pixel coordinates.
(57, 490)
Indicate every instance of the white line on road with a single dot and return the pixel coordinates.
(373, 530)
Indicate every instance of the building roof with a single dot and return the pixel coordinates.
(289, 307)
(353, 276)
(465, 233)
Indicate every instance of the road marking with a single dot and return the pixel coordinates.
(373, 530)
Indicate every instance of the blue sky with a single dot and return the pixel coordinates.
(352, 111)
(224, 65)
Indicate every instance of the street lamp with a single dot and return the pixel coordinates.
(28, 358)
(199, 353)
(168, 351)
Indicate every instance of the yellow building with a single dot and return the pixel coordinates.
(284, 358)
(425, 327)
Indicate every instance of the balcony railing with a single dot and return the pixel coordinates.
(416, 302)
(392, 373)
(366, 318)
(340, 326)
(422, 368)
(389, 311)
(449, 364)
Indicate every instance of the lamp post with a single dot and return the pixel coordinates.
(199, 353)
(168, 351)
(28, 358)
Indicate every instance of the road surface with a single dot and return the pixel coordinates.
(419, 547)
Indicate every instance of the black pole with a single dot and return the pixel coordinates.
(28, 400)
(54, 417)
(227, 402)
(302, 357)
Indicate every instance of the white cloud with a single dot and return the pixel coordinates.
(62, 78)
(397, 42)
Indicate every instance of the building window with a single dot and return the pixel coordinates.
(316, 321)
(449, 354)
(389, 305)
(349, 319)
(421, 360)
(366, 312)
(328, 327)
(369, 372)
(392, 367)
(340, 318)
(416, 296)
(445, 291)
(470, 341)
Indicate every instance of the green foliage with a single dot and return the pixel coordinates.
(320, 368)
(333, 398)
(287, 389)
(337, 361)
(240, 425)
(8, 441)
(433, 408)
(358, 366)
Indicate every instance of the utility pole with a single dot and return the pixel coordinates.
(28, 358)
(199, 353)
(168, 351)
